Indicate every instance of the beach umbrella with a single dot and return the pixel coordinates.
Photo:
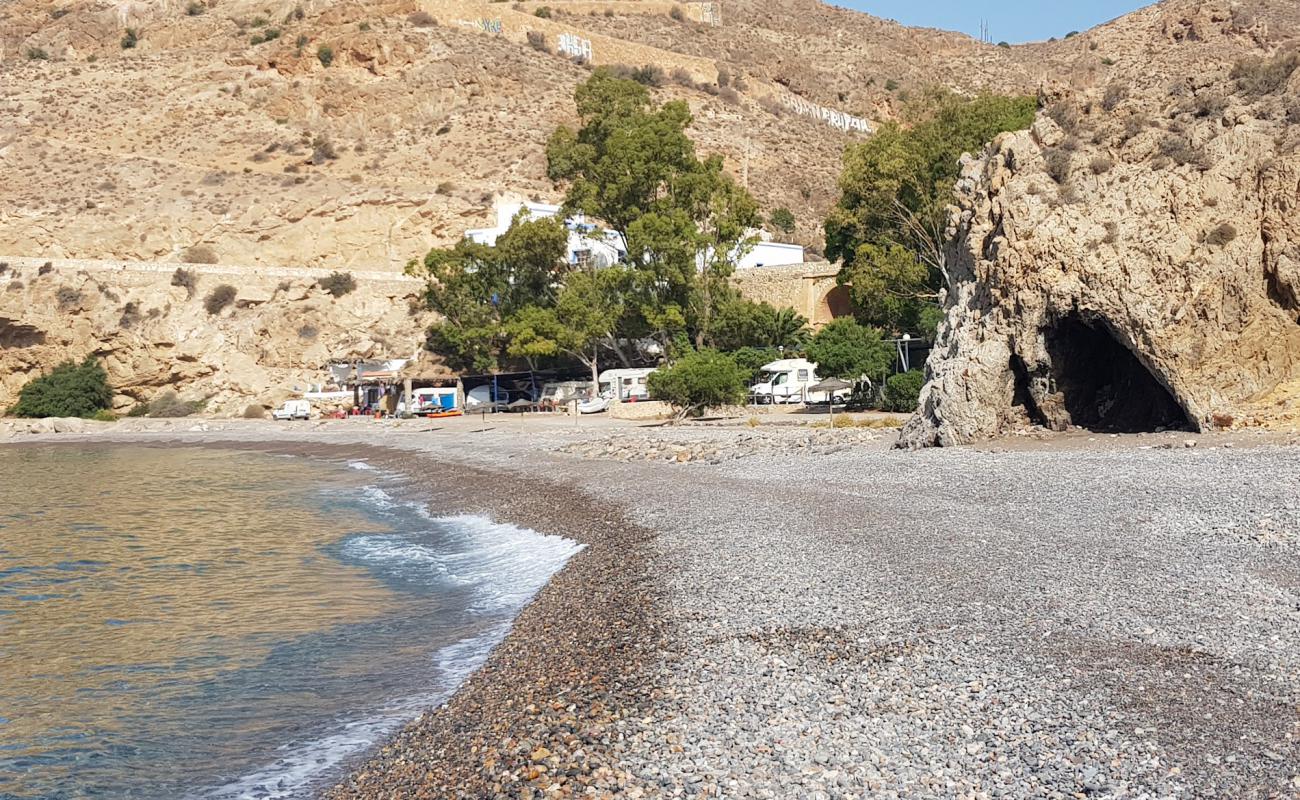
(830, 386)
(520, 403)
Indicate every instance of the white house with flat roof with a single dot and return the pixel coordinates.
(588, 243)
(591, 244)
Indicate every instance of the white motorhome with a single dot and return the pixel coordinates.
(788, 381)
(625, 384)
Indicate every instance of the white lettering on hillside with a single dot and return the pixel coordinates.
(836, 119)
(575, 46)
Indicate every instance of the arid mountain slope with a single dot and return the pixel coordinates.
(199, 135)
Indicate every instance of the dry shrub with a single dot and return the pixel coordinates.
(1221, 234)
(254, 411)
(219, 298)
(1112, 232)
(1181, 151)
(1116, 93)
(199, 254)
(682, 77)
(1066, 116)
(338, 283)
(188, 279)
(1101, 164)
(537, 41)
(169, 405)
(67, 297)
(130, 315)
(1058, 165)
(1260, 76)
(422, 19)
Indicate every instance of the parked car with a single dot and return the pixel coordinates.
(292, 409)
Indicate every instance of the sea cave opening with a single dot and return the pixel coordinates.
(1102, 385)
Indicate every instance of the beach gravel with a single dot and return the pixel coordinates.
(1119, 619)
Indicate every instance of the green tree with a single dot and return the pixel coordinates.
(847, 349)
(69, 390)
(582, 322)
(698, 380)
(478, 288)
(744, 323)
(684, 220)
(897, 185)
(782, 220)
(888, 285)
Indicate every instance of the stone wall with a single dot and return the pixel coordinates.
(809, 289)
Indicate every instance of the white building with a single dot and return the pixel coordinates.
(590, 244)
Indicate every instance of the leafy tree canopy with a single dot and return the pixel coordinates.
(846, 349)
(69, 390)
(743, 323)
(895, 190)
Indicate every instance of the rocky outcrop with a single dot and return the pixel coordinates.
(277, 336)
(1130, 263)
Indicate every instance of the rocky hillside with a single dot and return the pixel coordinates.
(153, 332)
(1130, 263)
(221, 125)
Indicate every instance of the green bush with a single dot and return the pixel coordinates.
(219, 298)
(847, 349)
(338, 283)
(902, 392)
(130, 38)
(69, 390)
(168, 404)
(782, 219)
(326, 55)
(699, 380)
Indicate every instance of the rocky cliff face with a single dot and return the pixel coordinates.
(1130, 263)
(278, 334)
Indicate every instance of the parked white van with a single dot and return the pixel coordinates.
(788, 381)
(292, 409)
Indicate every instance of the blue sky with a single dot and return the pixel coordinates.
(1013, 21)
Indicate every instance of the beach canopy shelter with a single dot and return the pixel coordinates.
(830, 386)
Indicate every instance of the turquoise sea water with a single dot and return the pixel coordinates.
(193, 623)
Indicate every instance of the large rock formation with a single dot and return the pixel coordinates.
(278, 335)
(1130, 263)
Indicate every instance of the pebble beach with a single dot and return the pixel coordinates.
(771, 613)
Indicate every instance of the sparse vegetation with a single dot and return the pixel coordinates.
(1005, 45)
(1221, 234)
(130, 39)
(69, 390)
(130, 315)
(267, 35)
(187, 279)
(1058, 165)
(543, 12)
(422, 19)
(1260, 76)
(308, 332)
(338, 283)
(219, 298)
(254, 411)
(322, 149)
(1108, 61)
(1116, 93)
(537, 41)
(891, 85)
(197, 254)
(1101, 164)
(325, 54)
(677, 14)
(37, 54)
(195, 9)
(1181, 151)
(169, 405)
(67, 297)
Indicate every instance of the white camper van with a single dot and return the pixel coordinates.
(788, 381)
(625, 384)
